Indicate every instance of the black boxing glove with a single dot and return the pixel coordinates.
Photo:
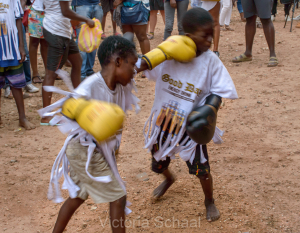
(201, 122)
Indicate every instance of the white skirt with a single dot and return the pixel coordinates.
(208, 5)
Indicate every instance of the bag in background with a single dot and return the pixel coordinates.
(89, 38)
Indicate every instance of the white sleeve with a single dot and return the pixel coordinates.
(18, 9)
(155, 73)
(221, 82)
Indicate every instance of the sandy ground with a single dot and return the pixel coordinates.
(256, 170)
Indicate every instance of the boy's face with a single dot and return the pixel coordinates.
(126, 69)
(203, 37)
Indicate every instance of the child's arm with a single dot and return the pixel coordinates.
(21, 42)
(180, 48)
(67, 12)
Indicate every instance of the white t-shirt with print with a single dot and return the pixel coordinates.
(10, 10)
(179, 88)
(54, 21)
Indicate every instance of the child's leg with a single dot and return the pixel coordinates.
(18, 95)
(212, 212)
(65, 213)
(165, 185)
(117, 215)
(202, 171)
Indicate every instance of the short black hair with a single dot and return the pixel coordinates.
(115, 45)
(195, 18)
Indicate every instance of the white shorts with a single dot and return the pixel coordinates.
(208, 5)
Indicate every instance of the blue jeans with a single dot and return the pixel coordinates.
(88, 59)
(239, 6)
(26, 64)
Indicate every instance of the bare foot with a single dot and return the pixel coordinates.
(212, 212)
(26, 124)
(1, 121)
(162, 188)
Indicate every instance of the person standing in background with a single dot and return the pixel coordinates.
(26, 66)
(170, 6)
(88, 9)
(213, 7)
(155, 6)
(108, 6)
(135, 23)
(240, 9)
(225, 15)
(35, 28)
(274, 10)
(61, 46)
(252, 10)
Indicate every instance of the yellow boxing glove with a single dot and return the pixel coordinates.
(179, 48)
(100, 119)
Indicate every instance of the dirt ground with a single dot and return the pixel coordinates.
(256, 169)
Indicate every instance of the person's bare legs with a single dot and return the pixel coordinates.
(165, 185)
(44, 51)
(242, 17)
(48, 81)
(250, 30)
(18, 96)
(162, 12)
(33, 49)
(153, 20)
(269, 34)
(212, 212)
(140, 32)
(215, 14)
(66, 212)
(104, 21)
(117, 215)
(114, 25)
(76, 62)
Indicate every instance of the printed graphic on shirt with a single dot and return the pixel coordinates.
(3, 8)
(3, 27)
(181, 90)
(171, 113)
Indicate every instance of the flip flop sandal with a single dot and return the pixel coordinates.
(227, 28)
(273, 61)
(39, 79)
(26, 95)
(103, 36)
(241, 58)
(150, 36)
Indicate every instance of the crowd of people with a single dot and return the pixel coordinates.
(48, 27)
(48, 24)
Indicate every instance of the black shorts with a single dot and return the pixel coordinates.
(261, 8)
(107, 5)
(197, 168)
(59, 48)
(156, 5)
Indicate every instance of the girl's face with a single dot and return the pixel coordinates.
(203, 37)
(126, 69)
